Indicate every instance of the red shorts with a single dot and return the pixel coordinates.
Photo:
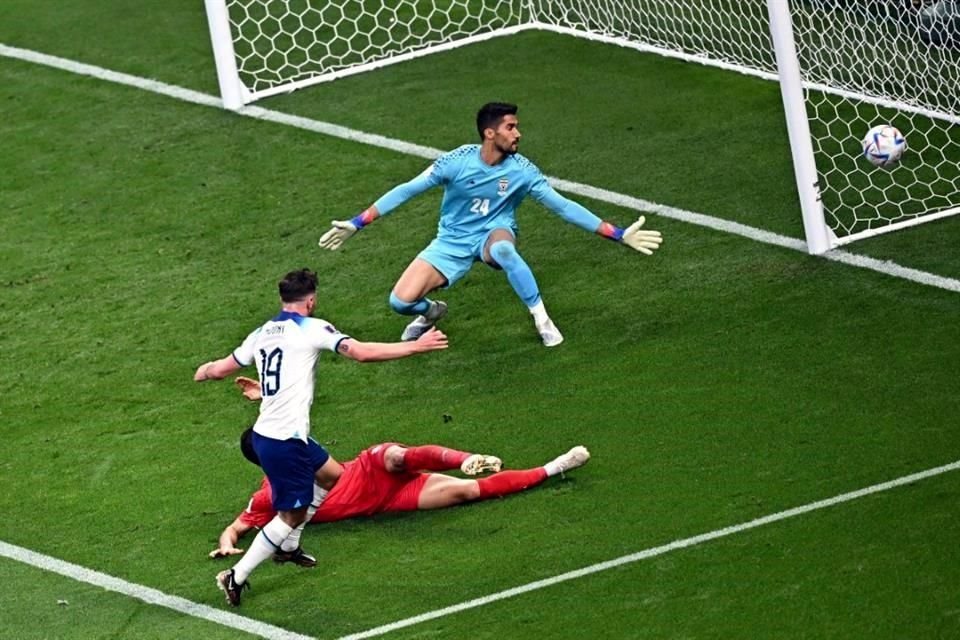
(365, 488)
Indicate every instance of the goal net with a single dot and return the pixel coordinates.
(277, 46)
(843, 67)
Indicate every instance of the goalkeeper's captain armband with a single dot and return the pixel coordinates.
(364, 219)
(611, 231)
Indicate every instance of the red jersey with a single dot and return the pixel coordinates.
(365, 488)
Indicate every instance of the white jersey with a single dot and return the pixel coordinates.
(285, 350)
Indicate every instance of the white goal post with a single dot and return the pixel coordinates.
(842, 66)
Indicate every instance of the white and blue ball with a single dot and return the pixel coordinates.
(884, 145)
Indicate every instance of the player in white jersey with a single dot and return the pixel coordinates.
(285, 350)
(483, 186)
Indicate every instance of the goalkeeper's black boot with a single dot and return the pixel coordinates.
(298, 557)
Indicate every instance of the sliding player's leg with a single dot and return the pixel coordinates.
(500, 252)
(441, 491)
(507, 482)
(432, 457)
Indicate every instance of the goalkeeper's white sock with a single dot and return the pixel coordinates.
(293, 540)
(539, 312)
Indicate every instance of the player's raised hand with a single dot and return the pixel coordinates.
(643, 240)
(249, 387)
(223, 552)
(337, 235)
(432, 340)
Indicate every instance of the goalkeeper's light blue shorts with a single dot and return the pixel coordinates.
(454, 257)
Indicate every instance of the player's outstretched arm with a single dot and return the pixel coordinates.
(341, 230)
(432, 340)
(645, 241)
(216, 369)
(227, 545)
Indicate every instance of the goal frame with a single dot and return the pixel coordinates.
(236, 95)
(819, 236)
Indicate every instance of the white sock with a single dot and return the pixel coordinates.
(539, 312)
(293, 540)
(263, 546)
(552, 468)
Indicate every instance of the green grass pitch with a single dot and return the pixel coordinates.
(718, 381)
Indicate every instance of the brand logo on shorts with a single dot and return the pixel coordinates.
(502, 185)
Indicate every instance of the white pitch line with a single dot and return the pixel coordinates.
(148, 595)
(603, 195)
(652, 552)
(233, 621)
(268, 631)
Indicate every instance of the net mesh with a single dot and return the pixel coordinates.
(278, 42)
(730, 31)
(863, 63)
(889, 59)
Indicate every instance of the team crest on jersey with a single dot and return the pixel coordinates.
(502, 185)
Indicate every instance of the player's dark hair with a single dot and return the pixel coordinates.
(297, 285)
(492, 113)
(246, 447)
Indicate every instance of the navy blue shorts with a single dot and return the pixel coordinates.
(290, 465)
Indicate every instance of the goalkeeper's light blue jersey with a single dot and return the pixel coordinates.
(478, 197)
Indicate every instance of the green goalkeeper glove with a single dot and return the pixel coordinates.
(339, 232)
(643, 240)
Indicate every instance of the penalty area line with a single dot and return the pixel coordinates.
(654, 551)
(407, 148)
(147, 594)
(271, 632)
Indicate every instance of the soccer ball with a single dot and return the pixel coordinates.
(884, 145)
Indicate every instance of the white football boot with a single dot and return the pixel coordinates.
(478, 463)
(576, 457)
(549, 333)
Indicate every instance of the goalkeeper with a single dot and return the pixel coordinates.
(483, 186)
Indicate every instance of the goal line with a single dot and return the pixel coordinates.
(886, 267)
